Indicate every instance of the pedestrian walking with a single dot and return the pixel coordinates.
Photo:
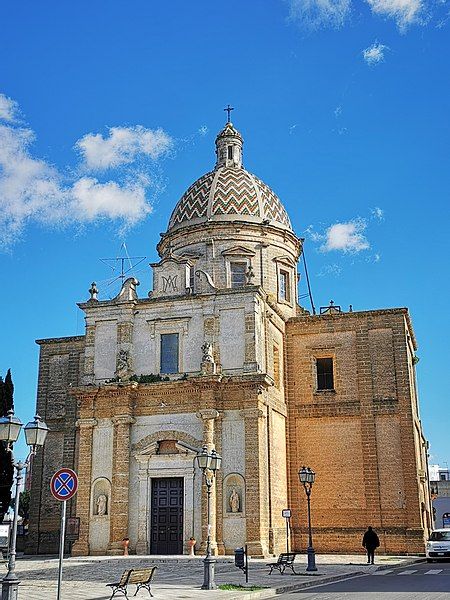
(370, 542)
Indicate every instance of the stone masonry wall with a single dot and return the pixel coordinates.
(60, 364)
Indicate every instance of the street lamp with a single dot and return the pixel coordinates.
(209, 463)
(35, 434)
(307, 477)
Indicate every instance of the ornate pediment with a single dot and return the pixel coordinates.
(171, 276)
(239, 251)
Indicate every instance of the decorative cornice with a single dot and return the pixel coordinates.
(253, 413)
(208, 413)
(123, 420)
(86, 423)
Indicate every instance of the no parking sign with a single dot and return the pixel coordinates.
(64, 484)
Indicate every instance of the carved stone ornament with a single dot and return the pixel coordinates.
(208, 365)
(102, 505)
(234, 495)
(234, 501)
(93, 291)
(123, 368)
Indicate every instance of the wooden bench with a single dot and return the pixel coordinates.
(142, 578)
(286, 559)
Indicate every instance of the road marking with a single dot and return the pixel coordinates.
(384, 572)
(433, 572)
(408, 572)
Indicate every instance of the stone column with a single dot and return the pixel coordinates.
(256, 481)
(89, 352)
(120, 482)
(208, 416)
(142, 545)
(83, 497)
(219, 489)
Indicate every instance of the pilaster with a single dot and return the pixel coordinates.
(208, 417)
(120, 482)
(256, 477)
(83, 497)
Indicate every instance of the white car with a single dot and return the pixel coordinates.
(438, 546)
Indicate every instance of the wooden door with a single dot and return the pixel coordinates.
(167, 516)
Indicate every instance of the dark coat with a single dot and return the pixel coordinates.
(370, 540)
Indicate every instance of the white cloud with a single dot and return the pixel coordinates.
(374, 54)
(9, 109)
(377, 213)
(314, 14)
(122, 146)
(404, 12)
(346, 237)
(33, 190)
(334, 270)
(92, 200)
(338, 111)
(203, 130)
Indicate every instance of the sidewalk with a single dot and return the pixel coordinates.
(181, 577)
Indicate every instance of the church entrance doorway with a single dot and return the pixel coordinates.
(166, 524)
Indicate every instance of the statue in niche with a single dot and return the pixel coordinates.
(234, 501)
(208, 365)
(102, 505)
(123, 365)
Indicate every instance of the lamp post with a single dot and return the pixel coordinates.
(307, 477)
(35, 434)
(209, 463)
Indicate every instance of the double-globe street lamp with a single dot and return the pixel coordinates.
(35, 434)
(307, 477)
(209, 463)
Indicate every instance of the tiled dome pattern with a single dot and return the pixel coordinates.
(194, 202)
(235, 194)
(272, 207)
(229, 191)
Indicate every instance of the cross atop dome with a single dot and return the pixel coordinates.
(228, 110)
(229, 144)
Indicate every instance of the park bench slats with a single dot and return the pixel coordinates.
(286, 559)
(142, 578)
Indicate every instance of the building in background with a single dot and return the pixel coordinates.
(440, 495)
(220, 354)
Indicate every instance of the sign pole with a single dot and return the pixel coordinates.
(287, 534)
(63, 485)
(286, 514)
(61, 547)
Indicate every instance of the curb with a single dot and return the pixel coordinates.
(271, 592)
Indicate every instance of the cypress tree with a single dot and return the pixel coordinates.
(6, 465)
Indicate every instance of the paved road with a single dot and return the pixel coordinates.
(421, 581)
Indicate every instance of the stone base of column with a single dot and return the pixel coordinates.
(257, 549)
(214, 549)
(80, 548)
(115, 549)
(221, 549)
(142, 547)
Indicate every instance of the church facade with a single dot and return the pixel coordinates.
(220, 354)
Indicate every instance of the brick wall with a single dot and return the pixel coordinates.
(360, 437)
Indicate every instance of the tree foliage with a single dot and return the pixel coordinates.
(6, 466)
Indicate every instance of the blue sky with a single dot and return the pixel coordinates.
(109, 111)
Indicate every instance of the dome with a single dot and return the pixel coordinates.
(229, 192)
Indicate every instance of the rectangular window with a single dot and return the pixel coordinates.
(230, 152)
(324, 368)
(284, 286)
(238, 274)
(169, 353)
